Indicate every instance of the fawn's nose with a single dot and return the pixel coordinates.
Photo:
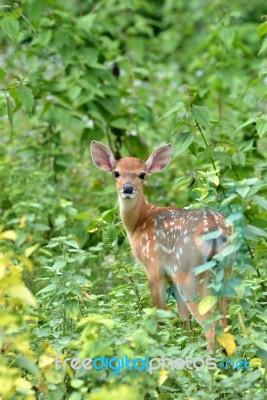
(128, 188)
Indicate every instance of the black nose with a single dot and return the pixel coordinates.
(128, 188)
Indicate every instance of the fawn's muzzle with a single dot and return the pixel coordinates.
(128, 188)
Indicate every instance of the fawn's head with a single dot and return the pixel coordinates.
(130, 172)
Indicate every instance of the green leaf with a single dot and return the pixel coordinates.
(2, 74)
(204, 267)
(260, 201)
(262, 29)
(111, 104)
(243, 191)
(248, 122)
(10, 27)
(72, 307)
(239, 158)
(246, 146)
(211, 235)
(261, 126)
(27, 364)
(201, 115)
(86, 22)
(226, 251)
(227, 35)
(48, 288)
(26, 98)
(254, 230)
(120, 123)
(82, 279)
(206, 304)
(83, 215)
(72, 243)
(177, 107)
(262, 353)
(263, 46)
(77, 383)
(64, 159)
(183, 141)
(74, 396)
(10, 114)
(228, 199)
(59, 264)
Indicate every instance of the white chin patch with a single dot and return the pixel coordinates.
(128, 195)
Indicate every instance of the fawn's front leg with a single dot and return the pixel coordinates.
(157, 284)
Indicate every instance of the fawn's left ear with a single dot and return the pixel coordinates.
(102, 156)
(159, 159)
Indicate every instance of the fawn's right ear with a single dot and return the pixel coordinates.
(102, 156)
(159, 159)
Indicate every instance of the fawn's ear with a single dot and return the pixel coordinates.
(102, 156)
(159, 159)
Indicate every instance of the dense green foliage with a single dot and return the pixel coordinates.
(133, 74)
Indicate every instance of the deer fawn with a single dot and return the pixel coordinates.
(169, 242)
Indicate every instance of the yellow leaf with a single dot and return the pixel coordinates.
(243, 326)
(22, 383)
(29, 238)
(28, 252)
(208, 173)
(69, 371)
(216, 180)
(26, 261)
(22, 221)
(4, 261)
(19, 291)
(163, 376)
(6, 387)
(45, 361)
(121, 391)
(52, 376)
(169, 307)
(42, 387)
(50, 349)
(206, 304)
(8, 235)
(227, 341)
(23, 346)
(93, 230)
(255, 363)
(88, 296)
(8, 320)
(31, 320)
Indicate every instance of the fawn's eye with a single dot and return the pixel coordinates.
(142, 176)
(116, 174)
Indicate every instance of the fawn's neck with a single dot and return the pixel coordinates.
(133, 212)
